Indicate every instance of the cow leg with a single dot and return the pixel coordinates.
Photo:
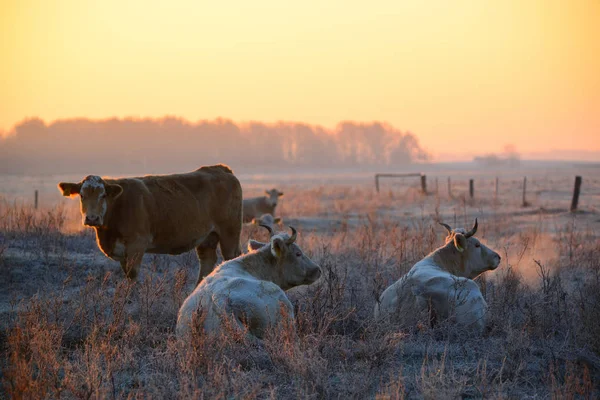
(134, 252)
(131, 265)
(230, 245)
(207, 255)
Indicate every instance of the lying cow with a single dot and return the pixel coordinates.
(167, 214)
(248, 292)
(266, 219)
(443, 282)
(257, 206)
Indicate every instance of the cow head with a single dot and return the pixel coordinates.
(295, 268)
(266, 219)
(273, 196)
(96, 195)
(475, 257)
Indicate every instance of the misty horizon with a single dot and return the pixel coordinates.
(173, 144)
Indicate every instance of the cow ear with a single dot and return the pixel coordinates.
(279, 194)
(277, 220)
(255, 221)
(114, 191)
(277, 246)
(460, 242)
(255, 245)
(69, 189)
(267, 193)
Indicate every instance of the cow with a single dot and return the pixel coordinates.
(165, 214)
(443, 283)
(266, 219)
(247, 293)
(256, 206)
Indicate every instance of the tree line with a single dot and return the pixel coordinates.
(173, 144)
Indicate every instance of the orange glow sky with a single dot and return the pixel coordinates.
(464, 76)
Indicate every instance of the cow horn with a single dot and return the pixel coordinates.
(446, 226)
(267, 227)
(292, 238)
(472, 231)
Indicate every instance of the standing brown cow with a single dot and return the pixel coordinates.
(166, 214)
(254, 207)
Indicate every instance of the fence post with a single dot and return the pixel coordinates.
(496, 196)
(424, 183)
(449, 188)
(471, 188)
(436, 186)
(377, 182)
(35, 201)
(576, 191)
(525, 203)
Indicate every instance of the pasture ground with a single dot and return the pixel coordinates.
(71, 326)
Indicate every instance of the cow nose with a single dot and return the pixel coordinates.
(315, 274)
(92, 219)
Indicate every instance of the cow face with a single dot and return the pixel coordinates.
(273, 196)
(295, 268)
(476, 257)
(95, 195)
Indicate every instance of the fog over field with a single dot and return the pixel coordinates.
(122, 146)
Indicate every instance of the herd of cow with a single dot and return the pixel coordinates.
(203, 209)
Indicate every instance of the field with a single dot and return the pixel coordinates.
(71, 325)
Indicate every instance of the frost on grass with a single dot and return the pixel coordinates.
(71, 326)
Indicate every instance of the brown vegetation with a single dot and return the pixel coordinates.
(73, 328)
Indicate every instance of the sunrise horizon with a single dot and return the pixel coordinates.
(553, 154)
(466, 78)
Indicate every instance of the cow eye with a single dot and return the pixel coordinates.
(477, 245)
(298, 254)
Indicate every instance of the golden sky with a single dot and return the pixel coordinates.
(464, 76)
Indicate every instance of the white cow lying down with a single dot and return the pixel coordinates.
(443, 281)
(248, 291)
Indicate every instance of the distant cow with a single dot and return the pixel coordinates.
(247, 293)
(442, 282)
(167, 214)
(256, 206)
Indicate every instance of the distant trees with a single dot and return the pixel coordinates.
(509, 157)
(174, 144)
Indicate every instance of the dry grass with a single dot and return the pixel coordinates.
(72, 327)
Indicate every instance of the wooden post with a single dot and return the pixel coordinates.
(471, 188)
(35, 201)
(424, 183)
(496, 196)
(449, 188)
(525, 204)
(377, 182)
(576, 191)
(436, 186)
